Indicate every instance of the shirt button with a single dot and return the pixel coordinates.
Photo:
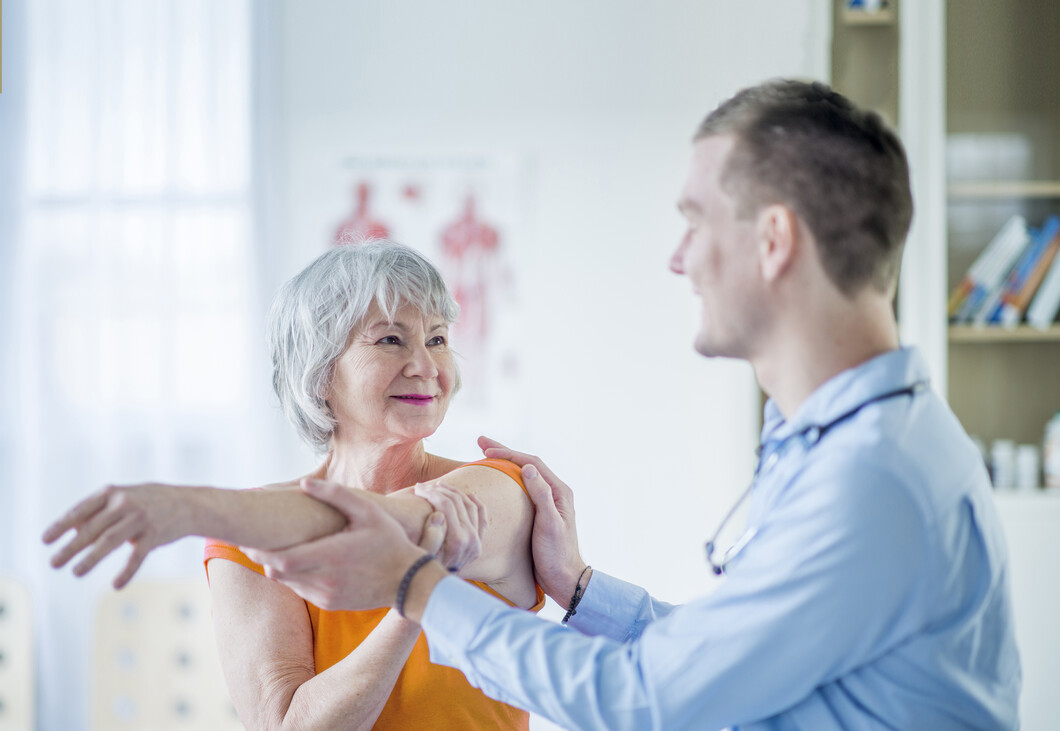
(812, 435)
(771, 460)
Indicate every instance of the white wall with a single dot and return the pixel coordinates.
(600, 98)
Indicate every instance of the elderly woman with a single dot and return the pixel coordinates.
(363, 368)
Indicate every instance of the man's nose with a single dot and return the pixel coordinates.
(677, 259)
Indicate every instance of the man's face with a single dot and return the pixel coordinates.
(718, 254)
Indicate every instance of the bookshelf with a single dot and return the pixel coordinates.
(883, 16)
(1002, 111)
(987, 68)
(970, 334)
(865, 56)
(1004, 189)
(977, 80)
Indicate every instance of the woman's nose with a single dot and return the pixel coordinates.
(421, 363)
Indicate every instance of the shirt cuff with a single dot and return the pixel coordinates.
(612, 608)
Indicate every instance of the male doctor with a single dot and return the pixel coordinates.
(870, 588)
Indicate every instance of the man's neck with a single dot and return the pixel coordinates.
(807, 349)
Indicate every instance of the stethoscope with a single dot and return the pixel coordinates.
(812, 435)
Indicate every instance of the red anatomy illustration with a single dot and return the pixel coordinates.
(360, 225)
(471, 250)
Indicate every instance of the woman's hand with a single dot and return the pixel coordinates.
(465, 522)
(147, 516)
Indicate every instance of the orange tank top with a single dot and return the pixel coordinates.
(425, 696)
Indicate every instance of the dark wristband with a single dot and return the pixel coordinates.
(406, 580)
(572, 609)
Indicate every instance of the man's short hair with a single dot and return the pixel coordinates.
(840, 168)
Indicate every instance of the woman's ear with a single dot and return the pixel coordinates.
(778, 240)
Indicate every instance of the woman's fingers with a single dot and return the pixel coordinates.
(75, 516)
(113, 537)
(136, 558)
(87, 534)
(464, 518)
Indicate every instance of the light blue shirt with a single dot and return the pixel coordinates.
(874, 594)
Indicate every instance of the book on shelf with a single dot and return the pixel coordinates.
(992, 311)
(1015, 303)
(988, 271)
(1046, 302)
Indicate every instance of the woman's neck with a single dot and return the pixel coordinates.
(379, 468)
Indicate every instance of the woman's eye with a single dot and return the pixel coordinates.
(436, 340)
(390, 340)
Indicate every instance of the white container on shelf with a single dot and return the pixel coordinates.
(1003, 464)
(1051, 452)
(1028, 474)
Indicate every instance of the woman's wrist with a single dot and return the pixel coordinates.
(214, 512)
(406, 508)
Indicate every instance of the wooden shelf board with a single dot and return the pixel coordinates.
(997, 334)
(1005, 189)
(884, 16)
(1019, 496)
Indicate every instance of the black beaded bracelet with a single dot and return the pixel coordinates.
(572, 609)
(406, 580)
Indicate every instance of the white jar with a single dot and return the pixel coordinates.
(1003, 464)
(1051, 452)
(1028, 474)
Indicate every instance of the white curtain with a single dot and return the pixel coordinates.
(137, 326)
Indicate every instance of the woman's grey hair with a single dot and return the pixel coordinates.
(312, 317)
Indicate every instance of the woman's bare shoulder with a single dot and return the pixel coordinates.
(481, 474)
(441, 466)
(296, 481)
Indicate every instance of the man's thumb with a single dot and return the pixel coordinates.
(433, 533)
(540, 491)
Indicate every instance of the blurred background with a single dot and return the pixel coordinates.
(165, 165)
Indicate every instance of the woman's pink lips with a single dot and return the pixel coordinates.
(414, 398)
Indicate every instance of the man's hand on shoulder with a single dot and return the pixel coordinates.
(557, 560)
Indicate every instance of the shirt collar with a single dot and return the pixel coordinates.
(893, 370)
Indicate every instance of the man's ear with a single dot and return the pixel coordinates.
(778, 240)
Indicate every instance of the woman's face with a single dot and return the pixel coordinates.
(395, 378)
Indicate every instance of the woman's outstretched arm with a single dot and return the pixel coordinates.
(151, 515)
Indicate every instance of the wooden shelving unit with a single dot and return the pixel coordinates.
(993, 334)
(883, 16)
(865, 56)
(1005, 189)
(1003, 111)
